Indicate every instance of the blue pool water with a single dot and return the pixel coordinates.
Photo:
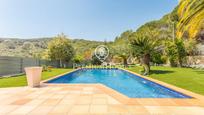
(124, 82)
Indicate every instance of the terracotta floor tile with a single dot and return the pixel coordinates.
(8, 101)
(98, 92)
(99, 101)
(90, 100)
(155, 110)
(60, 109)
(71, 96)
(147, 102)
(32, 96)
(41, 110)
(74, 92)
(98, 109)
(88, 89)
(183, 110)
(79, 109)
(57, 114)
(165, 102)
(50, 102)
(35, 102)
(8, 108)
(87, 93)
(67, 102)
(84, 100)
(57, 96)
(100, 95)
(137, 110)
(195, 110)
(195, 102)
(112, 100)
(132, 102)
(181, 102)
(45, 96)
(23, 110)
(117, 109)
(21, 101)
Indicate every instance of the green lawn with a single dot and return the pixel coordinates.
(186, 78)
(21, 80)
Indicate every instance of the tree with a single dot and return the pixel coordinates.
(158, 57)
(190, 46)
(78, 59)
(95, 60)
(176, 52)
(87, 55)
(191, 14)
(123, 51)
(172, 53)
(121, 46)
(142, 47)
(181, 51)
(60, 49)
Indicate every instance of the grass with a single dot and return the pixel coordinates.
(186, 78)
(21, 80)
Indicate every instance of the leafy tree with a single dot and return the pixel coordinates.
(78, 59)
(123, 51)
(143, 46)
(95, 60)
(158, 58)
(181, 51)
(60, 49)
(172, 53)
(121, 46)
(117, 59)
(190, 47)
(87, 56)
(45, 55)
(176, 52)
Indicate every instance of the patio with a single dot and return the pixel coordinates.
(88, 99)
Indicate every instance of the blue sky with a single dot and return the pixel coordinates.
(86, 19)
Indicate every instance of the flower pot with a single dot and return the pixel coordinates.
(33, 75)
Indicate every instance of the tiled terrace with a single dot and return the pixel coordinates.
(88, 99)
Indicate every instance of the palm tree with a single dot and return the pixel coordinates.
(143, 47)
(123, 51)
(121, 46)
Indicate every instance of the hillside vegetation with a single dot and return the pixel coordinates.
(186, 21)
(36, 47)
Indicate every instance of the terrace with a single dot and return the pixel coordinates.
(107, 60)
(91, 99)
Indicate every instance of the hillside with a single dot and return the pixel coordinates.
(32, 47)
(187, 19)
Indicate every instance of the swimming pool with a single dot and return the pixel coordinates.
(122, 81)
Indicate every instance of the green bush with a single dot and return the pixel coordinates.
(172, 53)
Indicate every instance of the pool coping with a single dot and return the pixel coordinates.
(196, 100)
(180, 90)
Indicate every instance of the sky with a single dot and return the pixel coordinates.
(81, 19)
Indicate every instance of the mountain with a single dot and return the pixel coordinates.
(187, 19)
(32, 47)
